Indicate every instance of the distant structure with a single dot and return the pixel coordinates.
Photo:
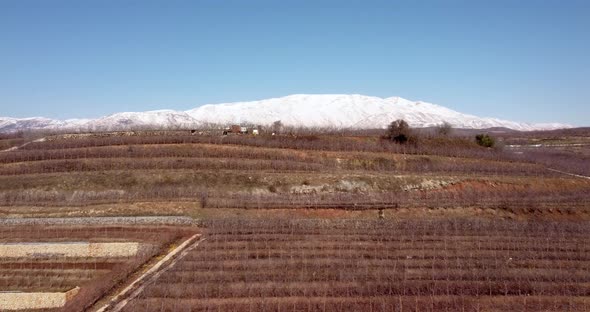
(238, 129)
(205, 132)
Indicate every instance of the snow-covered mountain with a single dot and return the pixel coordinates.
(8, 124)
(344, 111)
(321, 110)
(160, 119)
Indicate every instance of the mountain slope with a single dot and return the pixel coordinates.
(321, 110)
(8, 124)
(160, 119)
(344, 111)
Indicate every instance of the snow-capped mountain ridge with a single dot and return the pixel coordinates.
(305, 110)
(348, 111)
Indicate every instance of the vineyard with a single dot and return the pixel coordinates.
(436, 265)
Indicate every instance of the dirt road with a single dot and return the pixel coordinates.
(120, 300)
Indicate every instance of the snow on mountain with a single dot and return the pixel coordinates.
(320, 110)
(75, 123)
(160, 119)
(348, 111)
(8, 124)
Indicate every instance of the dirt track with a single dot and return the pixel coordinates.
(570, 174)
(132, 290)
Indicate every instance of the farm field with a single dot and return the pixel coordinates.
(421, 265)
(94, 259)
(175, 173)
(307, 221)
(294, 156)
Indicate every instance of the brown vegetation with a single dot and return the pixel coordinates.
(251, 172)
(458, 265)
(95, 276)
(273, 264)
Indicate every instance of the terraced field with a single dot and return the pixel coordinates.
(58, 269)
(110, 174)
(303, 222)
(458, 265)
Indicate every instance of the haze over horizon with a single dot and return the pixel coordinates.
(525, 61)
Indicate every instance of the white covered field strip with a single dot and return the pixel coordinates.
(69, 249)
(13, 301)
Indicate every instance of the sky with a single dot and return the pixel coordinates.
(518, 60)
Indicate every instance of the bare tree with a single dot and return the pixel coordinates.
(277, 126)
(398, 131)
(444, 129)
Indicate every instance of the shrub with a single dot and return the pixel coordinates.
(398, 131)
(485, 140)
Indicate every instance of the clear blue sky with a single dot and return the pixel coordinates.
(520, 60)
